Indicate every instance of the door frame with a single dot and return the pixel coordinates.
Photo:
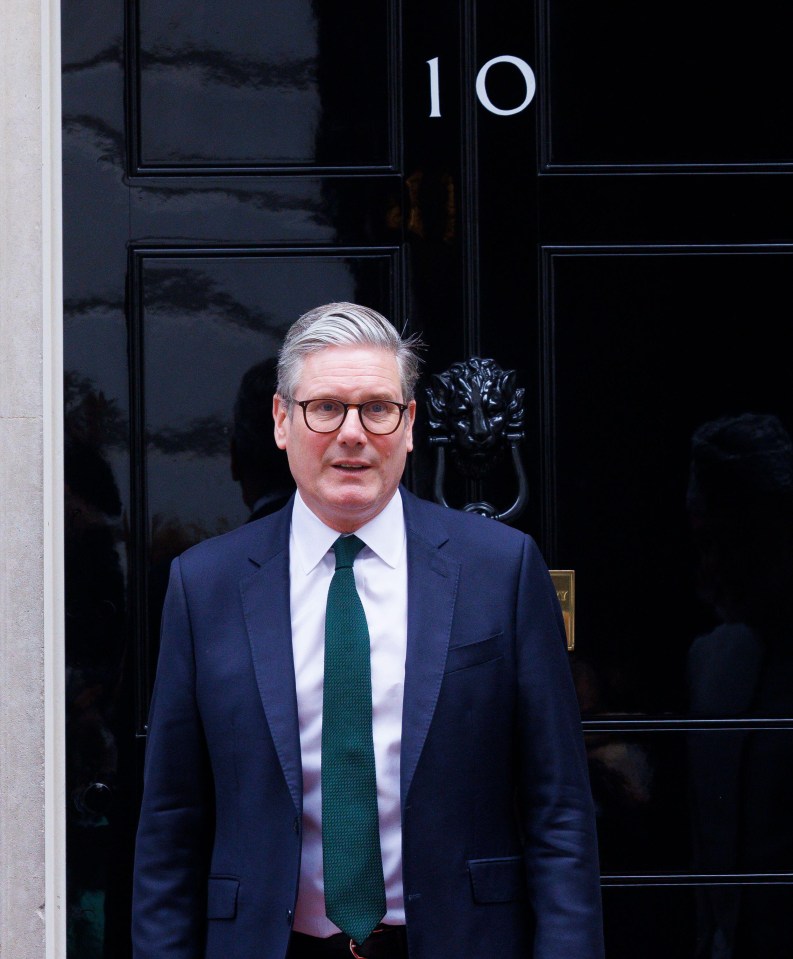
(32, 713)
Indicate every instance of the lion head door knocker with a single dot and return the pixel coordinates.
(476, 411)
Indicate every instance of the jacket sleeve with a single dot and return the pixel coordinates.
(555, 799)
(176, 823)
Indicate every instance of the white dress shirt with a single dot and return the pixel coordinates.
(380, 571)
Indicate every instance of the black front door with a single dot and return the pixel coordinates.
(597, 198)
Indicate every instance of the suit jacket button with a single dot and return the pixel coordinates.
(289, 917)
(296, 825)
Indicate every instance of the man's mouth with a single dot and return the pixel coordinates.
(351, 467)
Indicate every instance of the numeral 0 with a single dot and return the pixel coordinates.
(481, 86)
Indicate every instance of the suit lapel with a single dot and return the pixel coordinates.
(265, 602)
(432, 591)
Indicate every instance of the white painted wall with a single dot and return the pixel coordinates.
(31, 570)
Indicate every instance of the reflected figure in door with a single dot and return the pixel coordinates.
(261, 469)
(740, 504)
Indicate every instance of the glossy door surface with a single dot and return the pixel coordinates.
(622, 238)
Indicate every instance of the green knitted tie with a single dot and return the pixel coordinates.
(353, 867)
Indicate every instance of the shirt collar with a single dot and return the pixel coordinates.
(384, 535)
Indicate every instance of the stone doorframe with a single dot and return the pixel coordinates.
(32, 827)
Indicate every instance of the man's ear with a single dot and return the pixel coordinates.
(282, 422)
(410, 419)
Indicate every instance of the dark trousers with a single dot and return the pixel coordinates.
(389, 942)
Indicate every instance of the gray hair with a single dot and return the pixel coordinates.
(344, 324)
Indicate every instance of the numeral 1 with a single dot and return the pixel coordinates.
(435, 93)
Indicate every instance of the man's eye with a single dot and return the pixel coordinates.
(324, 408)
(376, 408)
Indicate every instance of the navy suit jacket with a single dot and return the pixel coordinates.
(499, 849)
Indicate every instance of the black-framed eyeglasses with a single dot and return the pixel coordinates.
(379, 417)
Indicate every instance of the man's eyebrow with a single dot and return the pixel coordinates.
(370, 399)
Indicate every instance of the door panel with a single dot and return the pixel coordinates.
(629, 86)
(643, 344)
(672, 920)
(198, 324)
(264, 86)
(201, 325)
(697, 803)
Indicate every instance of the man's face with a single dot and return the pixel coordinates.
(345, 477)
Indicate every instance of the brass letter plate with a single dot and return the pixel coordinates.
(564, 583)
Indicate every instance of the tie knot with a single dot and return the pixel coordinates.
(346, 549)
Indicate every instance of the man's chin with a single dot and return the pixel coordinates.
(351, 508)
(353, 505)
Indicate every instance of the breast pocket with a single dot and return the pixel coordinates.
(475, 654)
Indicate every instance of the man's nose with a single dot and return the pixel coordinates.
(351, 430)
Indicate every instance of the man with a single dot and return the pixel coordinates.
(256, 830)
